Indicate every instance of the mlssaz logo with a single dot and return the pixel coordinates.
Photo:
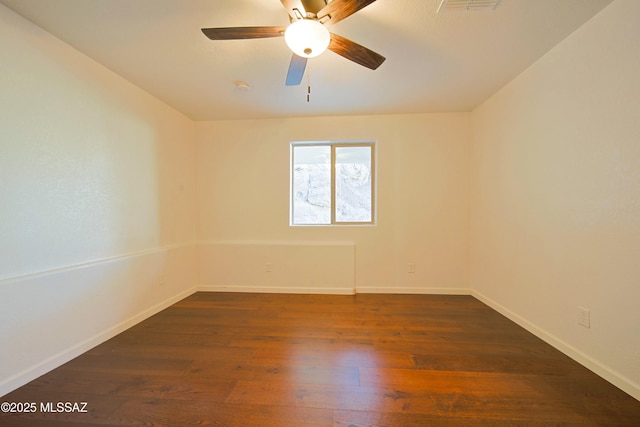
(66, 407)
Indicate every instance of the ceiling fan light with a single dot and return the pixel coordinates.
(307, 38)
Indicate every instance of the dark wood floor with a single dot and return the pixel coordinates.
(317, 360)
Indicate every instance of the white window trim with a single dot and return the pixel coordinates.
(333, 144)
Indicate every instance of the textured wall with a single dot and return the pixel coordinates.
(422, 194)
(556, 195)
(96, 202)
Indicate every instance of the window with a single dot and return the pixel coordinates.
(332, 183)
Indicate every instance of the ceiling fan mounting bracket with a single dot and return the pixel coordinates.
(298, 15)
(309, 15)
(324, 19)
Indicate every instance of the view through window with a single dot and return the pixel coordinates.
(332, 183)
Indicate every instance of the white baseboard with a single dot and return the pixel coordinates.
(277, 290)
(33, 372)
(412, 290)
(603, 371)
(335, 291)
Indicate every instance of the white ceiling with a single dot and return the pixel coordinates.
(444, 62)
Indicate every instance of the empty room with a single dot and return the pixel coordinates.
(319, 213)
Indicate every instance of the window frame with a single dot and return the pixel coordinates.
(333, 145)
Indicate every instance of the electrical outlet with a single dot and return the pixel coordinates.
(584, 317)
(267, 267)
(411, 268)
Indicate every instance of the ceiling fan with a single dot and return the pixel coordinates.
(307, 35)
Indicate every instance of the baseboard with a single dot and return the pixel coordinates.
(335, 291)
(411, 290)
(601, 370)
(277, 290)
(65, 356)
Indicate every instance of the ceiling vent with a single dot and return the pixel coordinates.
(467, 5)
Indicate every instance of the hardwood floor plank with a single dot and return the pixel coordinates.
(136, 363)
(381, 419)
(313, 396)
(316, 355)
(173, 413)
(272, 342)
(127, 384)
(470, 362)
(448, 382)
(281, 372)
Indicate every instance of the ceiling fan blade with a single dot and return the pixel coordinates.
(355, 52)
(296, 70)
(338, 10)
(238, 33)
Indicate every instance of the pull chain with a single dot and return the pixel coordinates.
(308, 85)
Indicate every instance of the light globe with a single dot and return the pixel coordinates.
(307, 38)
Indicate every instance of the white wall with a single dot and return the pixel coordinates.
(96, 202)
(556, 196)
(422, 204)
